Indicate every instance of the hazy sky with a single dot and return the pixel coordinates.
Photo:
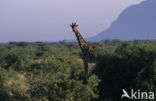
(48, 20)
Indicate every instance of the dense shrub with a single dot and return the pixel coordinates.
(43, 71)
(17, 59)
(130, 67)
(62, 88)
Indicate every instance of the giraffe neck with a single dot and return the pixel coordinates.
(80, 39)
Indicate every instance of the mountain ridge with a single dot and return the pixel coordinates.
(137, 22)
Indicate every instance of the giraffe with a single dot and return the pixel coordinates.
(88, 53)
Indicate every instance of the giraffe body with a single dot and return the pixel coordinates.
(88, 53)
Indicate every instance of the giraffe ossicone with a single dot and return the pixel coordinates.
(74, 24)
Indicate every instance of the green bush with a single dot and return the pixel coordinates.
(62, 88)
(18, 59)
(130, 67)
(44, 71)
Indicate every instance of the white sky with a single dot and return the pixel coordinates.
(48, 20)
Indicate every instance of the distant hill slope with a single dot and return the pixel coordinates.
(136, 22)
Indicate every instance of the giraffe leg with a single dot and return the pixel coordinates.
(86, 71)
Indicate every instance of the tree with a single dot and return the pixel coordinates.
(17, 58)
(130, 67)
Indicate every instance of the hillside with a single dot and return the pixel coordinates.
(136, 22)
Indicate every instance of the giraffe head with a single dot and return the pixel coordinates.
(74, 26)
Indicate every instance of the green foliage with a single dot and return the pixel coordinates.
(55, 64)
(17, 59)
(4, 96)
(62, 88)
(130, 67)
(12, 86)
(59, 81)
(43, 71)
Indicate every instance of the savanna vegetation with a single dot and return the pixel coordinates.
(43, 71)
